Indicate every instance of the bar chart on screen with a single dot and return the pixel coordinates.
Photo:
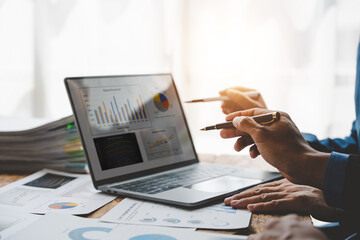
(116, 108)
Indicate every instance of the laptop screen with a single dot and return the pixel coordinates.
(130, 123)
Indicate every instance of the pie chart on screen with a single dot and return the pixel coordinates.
(161, 102)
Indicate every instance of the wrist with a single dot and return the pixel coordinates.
(316, 166)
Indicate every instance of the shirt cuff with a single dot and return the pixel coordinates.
(335, 178)
(310, 137)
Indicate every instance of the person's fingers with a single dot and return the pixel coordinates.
(228, 108)
(264, 197)
(243, 89)
(238, 147)
(227, 104)
(241, 99)
(250, 94)
(246, 124)
(255, 191)
(239, 88)
(231, 132)
(254, 151)
(223, 92)
(279, 205)
(231, 116)
(248, 112)
(263, 188)
(274, 183)
(228, 133)
(225, 110)
(242, 142)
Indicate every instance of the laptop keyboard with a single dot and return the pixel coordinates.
(168, 181)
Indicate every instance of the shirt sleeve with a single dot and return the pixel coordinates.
(347, 145)
(335, 178)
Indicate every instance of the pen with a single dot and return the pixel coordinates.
(261, 119)
(251, 94)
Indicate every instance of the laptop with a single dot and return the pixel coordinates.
(138, 144)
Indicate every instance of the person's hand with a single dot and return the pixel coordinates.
(239, 100)
(290, 227)
(284, 196)
(280, 144)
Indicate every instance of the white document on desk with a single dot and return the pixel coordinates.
(48, 191)
(133, 232)
(13, 221)
(57, 226)
(216, 216)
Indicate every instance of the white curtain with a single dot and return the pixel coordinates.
(299, 54)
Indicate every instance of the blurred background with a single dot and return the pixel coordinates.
(301, 55)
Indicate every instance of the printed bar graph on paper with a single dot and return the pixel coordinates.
(116, 107)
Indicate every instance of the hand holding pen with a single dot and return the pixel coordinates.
(262, 119)
(236, 99)
(280, 143)
(252, 94)
(241, 98)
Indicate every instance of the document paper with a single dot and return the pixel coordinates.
(47, 191)
(217, 216)
(133, 232)
(13, 221)
(57, 226)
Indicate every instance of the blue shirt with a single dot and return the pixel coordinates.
(340, 149)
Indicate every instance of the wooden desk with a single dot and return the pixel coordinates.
(258, 221)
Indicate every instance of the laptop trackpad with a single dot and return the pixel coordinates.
(224, 184)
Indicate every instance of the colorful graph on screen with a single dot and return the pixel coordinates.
(116, 107)
(161, 102)
(118, 151)
(160, 143)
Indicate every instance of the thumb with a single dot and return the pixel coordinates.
(246, 124)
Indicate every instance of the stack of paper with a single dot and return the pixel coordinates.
(55, 145)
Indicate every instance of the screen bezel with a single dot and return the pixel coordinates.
(129, 176)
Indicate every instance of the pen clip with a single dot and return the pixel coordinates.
(275, 116)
